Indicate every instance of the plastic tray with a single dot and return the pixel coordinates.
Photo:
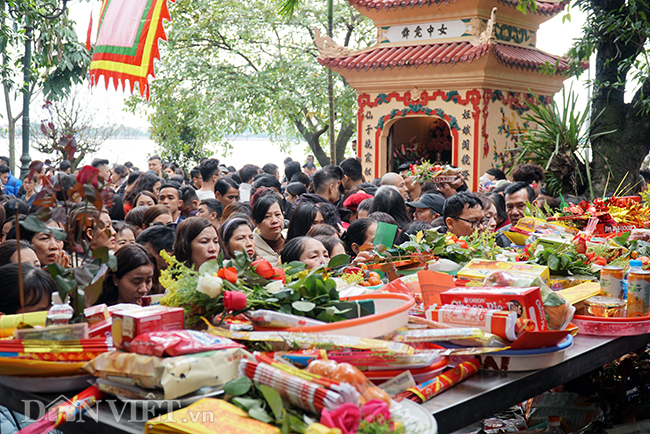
(593, 325)
(392, 312)
(419, 375)
(525, 360)
(46, 385)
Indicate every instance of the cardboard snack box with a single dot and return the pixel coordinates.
(527, 302)
(131, 323)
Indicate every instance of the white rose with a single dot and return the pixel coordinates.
(209, 285)
(274, 286)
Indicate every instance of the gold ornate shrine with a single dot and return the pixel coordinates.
(470, 63)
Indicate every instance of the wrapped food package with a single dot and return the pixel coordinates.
(176, 376)
(527, 302)
(500, 323)
(179, 342)
(269, 318)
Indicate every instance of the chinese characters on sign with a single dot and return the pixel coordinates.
(427, 31)
(465, 145)
(465, 160)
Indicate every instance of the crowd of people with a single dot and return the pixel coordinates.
(300, 213)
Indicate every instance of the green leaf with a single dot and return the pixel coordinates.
(274, 400)
(260, 414)
(33, 224)
(247, 403)
(209, 268)
(338, 261)
(101, 253)
(112, 262)
(303, 306)
(64, 285)
(92, 292)
(553, 262)
(238, 386)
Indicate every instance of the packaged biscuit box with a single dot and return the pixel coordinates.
(477, 269)
(130, 323)
(527, 302)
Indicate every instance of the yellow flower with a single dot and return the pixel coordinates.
(317, 428)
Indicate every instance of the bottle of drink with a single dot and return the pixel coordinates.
(60, 313)
(635, 265)
(553, 425)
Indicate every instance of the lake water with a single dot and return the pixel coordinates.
(252, 150)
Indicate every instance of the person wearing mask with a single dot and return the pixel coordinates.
(307, 250)
(463, 214)
(397, 181)
(517, 195)
(212, 210)
(170, 197)
(428, 207)
(210, 174)
(196, 242)
(247, 173)
(269, 237)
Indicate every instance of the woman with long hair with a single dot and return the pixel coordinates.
(268, 217)
(389, 200)
(157, 214)
(133, 279)
(307, 250)
(303, 217)
(196, 242)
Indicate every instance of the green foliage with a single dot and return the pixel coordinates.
(231, 67)
(558, 141)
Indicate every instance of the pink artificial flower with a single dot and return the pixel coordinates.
(373, 408)
(347, 418)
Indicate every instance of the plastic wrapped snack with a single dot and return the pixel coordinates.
(179, 342)
(467, 336)
(176, 376)
(269, 318)
(500, 323)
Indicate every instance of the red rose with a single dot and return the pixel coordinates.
(347, 418)
(263, 268)
(229, 274)
(88, 174)
(234, 300)
(278, 274)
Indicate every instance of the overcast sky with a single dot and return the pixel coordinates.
(554, 37)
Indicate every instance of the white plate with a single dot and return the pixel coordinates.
(418, 420)
(184, 401)
(46, 384)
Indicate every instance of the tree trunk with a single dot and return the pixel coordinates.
(617, 157)
(313, 140)
(342, 140)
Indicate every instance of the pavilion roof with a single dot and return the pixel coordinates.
(442, 54)
(543, 7)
